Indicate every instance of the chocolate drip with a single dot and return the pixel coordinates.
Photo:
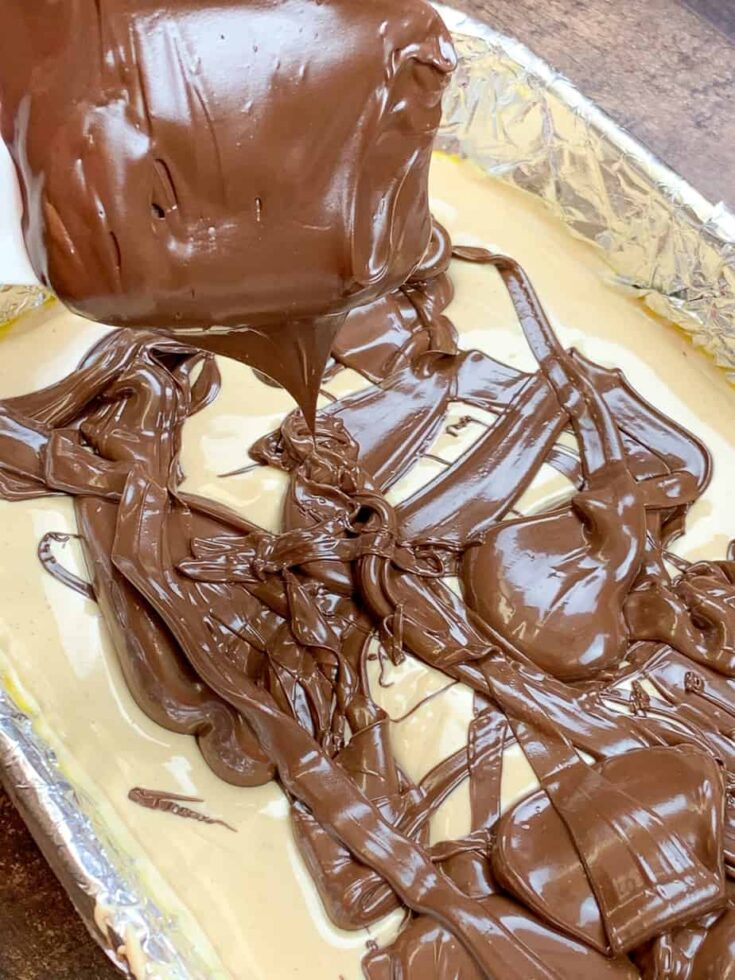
(241, 174)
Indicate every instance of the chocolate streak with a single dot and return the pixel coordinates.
(154, 799)
(54, 567)
(257, 643)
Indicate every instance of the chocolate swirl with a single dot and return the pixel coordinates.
(257, 643)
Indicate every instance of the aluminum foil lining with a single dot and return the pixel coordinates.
(526, 124)
(509, 113)
(134, 933)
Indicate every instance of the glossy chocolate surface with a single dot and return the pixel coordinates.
(207, 166)
(256, 643)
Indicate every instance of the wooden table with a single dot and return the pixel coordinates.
(665, 69)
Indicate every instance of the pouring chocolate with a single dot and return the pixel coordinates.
(239, 173)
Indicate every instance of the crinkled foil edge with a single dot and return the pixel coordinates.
(98, 877)
(518, 120)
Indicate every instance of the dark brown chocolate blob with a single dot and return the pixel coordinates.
(258, 166)
(608, 662)
(664, 848)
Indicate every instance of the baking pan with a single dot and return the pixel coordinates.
(523, 123)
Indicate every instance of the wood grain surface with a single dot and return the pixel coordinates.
(665, 69)
(41, 937)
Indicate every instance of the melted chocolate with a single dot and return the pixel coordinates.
(242, 173)
(54, 567)
(171, 184)
(153, 799)
(257, 643)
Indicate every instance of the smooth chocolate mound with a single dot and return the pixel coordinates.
(257, 165)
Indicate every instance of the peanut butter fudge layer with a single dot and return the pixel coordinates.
(455, 669)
